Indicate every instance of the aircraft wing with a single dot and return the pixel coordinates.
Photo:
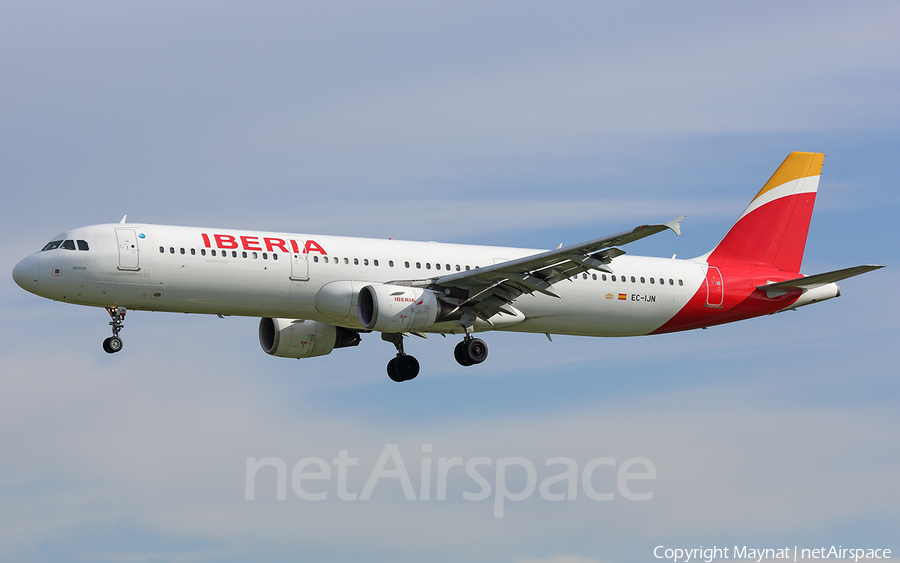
(811, 282)
(488, 291)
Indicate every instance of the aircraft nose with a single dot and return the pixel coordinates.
(26, 273)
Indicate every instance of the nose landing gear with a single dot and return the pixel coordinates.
(113, 344)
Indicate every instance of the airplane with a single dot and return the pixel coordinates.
(316, 293)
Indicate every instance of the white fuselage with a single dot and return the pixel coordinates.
(257, 274)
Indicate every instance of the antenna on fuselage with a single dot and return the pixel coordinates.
(122, 222)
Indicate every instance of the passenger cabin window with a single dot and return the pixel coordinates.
(53, 245)
(68, 245)
(83, 245)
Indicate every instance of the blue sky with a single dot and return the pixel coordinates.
(523, 124)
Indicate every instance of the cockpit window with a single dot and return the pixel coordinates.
(83, 245)
(68, 245)
(52, 245)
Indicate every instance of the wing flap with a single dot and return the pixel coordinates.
(490, 290)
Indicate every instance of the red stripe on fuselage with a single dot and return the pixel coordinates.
(742, 300)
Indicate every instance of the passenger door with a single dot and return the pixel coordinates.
(128, 249)
(715, 290)
(300, 265)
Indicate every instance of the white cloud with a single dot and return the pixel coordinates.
(482, 120)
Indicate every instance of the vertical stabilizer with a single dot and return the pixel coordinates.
(772, 230)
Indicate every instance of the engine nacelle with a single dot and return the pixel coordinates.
(289, 338)
(397, 308)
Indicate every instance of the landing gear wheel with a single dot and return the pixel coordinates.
(407, 367)
(403, 368)
(392, 371)
(112, 344)
(460, 354)
(476, 350)
(470, 351)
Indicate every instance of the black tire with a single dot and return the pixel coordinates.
(475, 350)
(460, 354)
(106, 347)
(114, 344)
(392, 371)
(407, 367)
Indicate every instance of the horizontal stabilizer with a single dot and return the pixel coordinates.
(810, 282)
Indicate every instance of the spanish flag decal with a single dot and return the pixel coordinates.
(623, 296)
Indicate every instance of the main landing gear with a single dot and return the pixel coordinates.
(470, 351)
(403, 367)
(113, 344)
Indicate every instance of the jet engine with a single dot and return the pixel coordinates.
(288, 338)
(397, 308)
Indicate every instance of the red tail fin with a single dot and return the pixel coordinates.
(772, 230)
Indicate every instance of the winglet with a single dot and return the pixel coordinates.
(122, 222)
(675, 224)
